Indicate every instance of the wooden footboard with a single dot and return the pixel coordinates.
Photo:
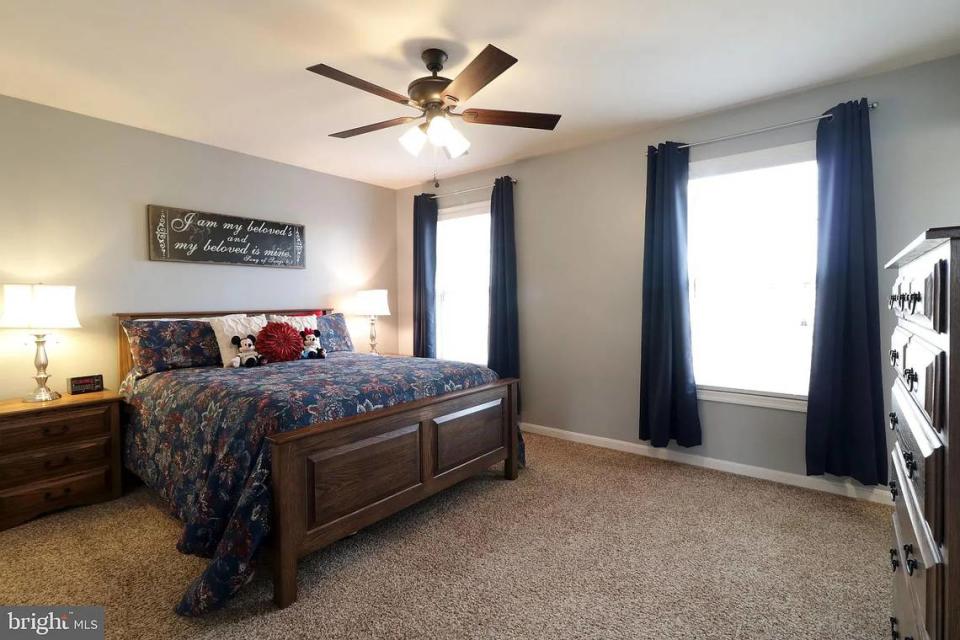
(334, 478)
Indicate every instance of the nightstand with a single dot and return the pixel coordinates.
(58, 454)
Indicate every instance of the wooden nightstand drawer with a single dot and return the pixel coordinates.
(52, 428)
(40, 464)
(21, 503)
(58, 454)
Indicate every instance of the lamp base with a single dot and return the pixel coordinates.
(42, 393)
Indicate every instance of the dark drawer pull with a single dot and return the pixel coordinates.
(913, 300)
(894, 420)
(893, 490)
(894, 356)
(50, 496)
(912, 564)
(50, 464)
(894, 559)
(910, 463)
(894, 634)
(911, 377)
(58, 431)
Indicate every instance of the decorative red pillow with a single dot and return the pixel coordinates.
(279, 342)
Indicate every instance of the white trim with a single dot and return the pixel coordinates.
(817, 483)
(464, 210)
(782, 401)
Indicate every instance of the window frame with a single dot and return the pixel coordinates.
(733, 163)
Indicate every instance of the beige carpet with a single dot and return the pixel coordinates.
(588, 543)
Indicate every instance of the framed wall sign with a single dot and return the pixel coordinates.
(185, 235)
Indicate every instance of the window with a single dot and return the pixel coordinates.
(463, 283)
(752, 266)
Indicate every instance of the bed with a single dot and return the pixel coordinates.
(282, 460)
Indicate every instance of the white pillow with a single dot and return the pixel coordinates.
(300, 323)
(225, 327)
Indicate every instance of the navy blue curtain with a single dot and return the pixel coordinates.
(668, 392)
(845, 421)
(424, 276)
(503, 346)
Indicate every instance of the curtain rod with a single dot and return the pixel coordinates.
(456, 193)
(872, 106)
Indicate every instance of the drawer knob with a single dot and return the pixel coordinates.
(51, 464)
(911, 377)
(894, 356)
(894, 420)
(56, 431)
(912, 564)
(50, 496)
(893, 490)
(894, 559)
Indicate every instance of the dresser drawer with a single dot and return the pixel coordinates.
(926, 297)
(23, 502)
(65, 459)
(919, 556)
(903, 621)
(52, 428)
(924, 374)
(921, 452)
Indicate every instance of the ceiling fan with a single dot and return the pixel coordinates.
(437, 98)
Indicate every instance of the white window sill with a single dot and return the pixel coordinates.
(782, 401)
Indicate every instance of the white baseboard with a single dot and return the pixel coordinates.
(817, 483)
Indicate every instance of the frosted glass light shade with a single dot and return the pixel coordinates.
(439, 131)
(371, 302)
(413, 140)
(39, 306)
(457, 144)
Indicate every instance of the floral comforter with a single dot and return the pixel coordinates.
(197, 436)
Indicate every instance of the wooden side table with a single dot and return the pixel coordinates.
(58, 454)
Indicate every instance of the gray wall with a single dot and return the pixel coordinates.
(580, 251)
(73, 192)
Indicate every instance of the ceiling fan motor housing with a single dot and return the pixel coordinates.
(428, 91)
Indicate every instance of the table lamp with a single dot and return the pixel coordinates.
(39, 308)
(373, 303)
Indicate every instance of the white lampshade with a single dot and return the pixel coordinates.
(371, 302)
(38, 307)
(413, 140)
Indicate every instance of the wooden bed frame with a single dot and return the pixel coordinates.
(331, 479)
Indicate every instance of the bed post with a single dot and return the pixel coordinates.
(512, 464)
(285, 547)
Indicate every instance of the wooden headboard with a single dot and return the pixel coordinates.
(123, 347)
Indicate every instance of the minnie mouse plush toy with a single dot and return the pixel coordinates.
(247, 355)
(311, 345)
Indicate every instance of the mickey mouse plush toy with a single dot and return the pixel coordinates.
(247, 355)
(311, 345)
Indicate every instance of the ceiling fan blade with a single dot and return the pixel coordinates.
(511, 118)
(357, 83)
(386, 124)
(479, 73)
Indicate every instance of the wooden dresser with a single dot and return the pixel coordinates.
(58, 454)
(924, 416)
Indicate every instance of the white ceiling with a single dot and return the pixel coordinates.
(230, 73)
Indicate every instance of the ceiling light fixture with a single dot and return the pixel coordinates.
(440, 132)
(414, 139)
